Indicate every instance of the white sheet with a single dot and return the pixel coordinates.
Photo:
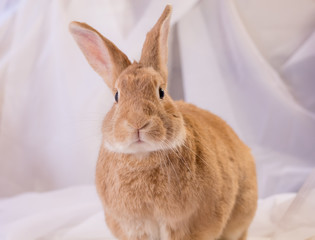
(76, 214)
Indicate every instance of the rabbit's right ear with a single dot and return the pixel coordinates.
(104, 57)
(154, 51)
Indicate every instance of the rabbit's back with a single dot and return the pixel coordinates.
(226, 169)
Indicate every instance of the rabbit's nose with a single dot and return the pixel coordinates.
(139, 125)
(144, 125)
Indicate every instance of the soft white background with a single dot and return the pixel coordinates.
(252, 62)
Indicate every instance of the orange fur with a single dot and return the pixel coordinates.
(166, 170)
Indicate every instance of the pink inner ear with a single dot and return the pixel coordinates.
(94, 49)
(164, 31)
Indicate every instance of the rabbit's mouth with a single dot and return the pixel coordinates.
(141, 143)
(149, 137)
(139, 140)
(139, 146)
(135, 143)
(138, 143)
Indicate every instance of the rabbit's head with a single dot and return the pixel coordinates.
(143, 118)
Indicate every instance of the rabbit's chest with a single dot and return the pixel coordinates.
(148, 194)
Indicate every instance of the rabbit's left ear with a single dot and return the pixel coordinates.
(155, 50)
(104, 57)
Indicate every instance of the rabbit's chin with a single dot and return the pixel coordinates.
(134, 147)
(140, 147)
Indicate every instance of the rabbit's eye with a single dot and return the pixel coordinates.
(116, 97)
(161, 92)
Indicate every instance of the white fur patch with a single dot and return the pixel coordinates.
(135, 229)
(132, 147)
(163, 232)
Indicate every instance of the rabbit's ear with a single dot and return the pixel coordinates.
(104, 57)
(154, 51)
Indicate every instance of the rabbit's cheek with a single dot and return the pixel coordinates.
(157, 132)
(121, 132)
(169, 127)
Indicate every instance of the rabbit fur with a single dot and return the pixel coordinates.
(166, 169)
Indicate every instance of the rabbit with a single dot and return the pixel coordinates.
(166, 169)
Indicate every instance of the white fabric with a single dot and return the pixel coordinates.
(251, 63)
(76, 214)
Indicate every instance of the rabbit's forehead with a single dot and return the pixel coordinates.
(141, 79)
(136, 82)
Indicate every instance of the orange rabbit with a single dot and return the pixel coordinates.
(166, 169)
